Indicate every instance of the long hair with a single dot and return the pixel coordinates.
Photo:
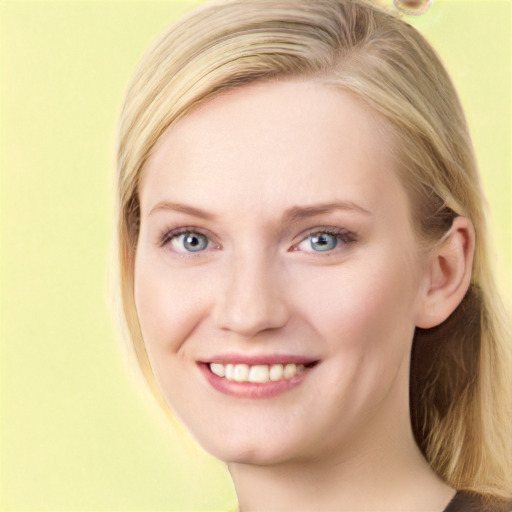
(460, 382)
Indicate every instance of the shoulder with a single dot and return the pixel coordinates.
(465, 501)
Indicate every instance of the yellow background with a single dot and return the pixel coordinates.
(76, 434)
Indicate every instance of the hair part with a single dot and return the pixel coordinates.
(460, 370)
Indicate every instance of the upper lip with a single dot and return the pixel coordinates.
(252, 360)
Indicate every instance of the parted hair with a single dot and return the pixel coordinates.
(460, 380)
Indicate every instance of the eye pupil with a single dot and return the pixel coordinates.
(194, 242)
(323, 242)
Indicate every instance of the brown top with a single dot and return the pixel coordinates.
(468, 502)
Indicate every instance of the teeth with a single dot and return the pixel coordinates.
(218, 369)
(260, 373)
(289, 370)
(276, 372)
(241, 372)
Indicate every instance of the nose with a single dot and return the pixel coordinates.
(251, 299)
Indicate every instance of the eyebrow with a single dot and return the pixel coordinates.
(182, 208)
(290, 216)
(297, 213)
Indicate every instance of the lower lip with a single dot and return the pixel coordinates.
(252, 389)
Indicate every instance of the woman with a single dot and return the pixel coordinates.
(303, 260)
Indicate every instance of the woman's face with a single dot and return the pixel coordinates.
(276, 247)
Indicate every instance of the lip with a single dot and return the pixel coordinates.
(255, 390)
(259, 359)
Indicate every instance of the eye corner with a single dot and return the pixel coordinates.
(187, 241)
(339, 239)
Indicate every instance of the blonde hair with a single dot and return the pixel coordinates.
(460, 371)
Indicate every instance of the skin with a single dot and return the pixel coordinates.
(341, 439)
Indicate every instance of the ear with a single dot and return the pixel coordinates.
(447, 274)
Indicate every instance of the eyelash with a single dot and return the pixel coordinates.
(169, 235)
(343, 235)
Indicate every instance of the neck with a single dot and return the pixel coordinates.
(379, 472)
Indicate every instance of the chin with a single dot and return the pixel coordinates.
(260, 452)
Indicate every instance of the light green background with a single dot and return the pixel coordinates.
(76, 433)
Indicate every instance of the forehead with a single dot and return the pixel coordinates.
(273, 145)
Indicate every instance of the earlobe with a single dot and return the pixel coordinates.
(448, 274)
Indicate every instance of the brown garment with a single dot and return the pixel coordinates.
(469, 502)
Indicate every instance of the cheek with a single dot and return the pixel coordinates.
(365, 317)
(168, 304)
(363, 305)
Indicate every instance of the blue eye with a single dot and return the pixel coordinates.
(319, 242)
(324, 241)
(189, 241)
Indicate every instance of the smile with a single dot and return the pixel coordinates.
(258, 373)
(256, 378)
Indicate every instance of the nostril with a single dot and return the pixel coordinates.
(251, 297)
(250, 316)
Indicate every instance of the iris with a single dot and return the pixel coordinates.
(193, 242)
(323, 241)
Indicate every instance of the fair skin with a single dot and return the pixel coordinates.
(274, 229)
